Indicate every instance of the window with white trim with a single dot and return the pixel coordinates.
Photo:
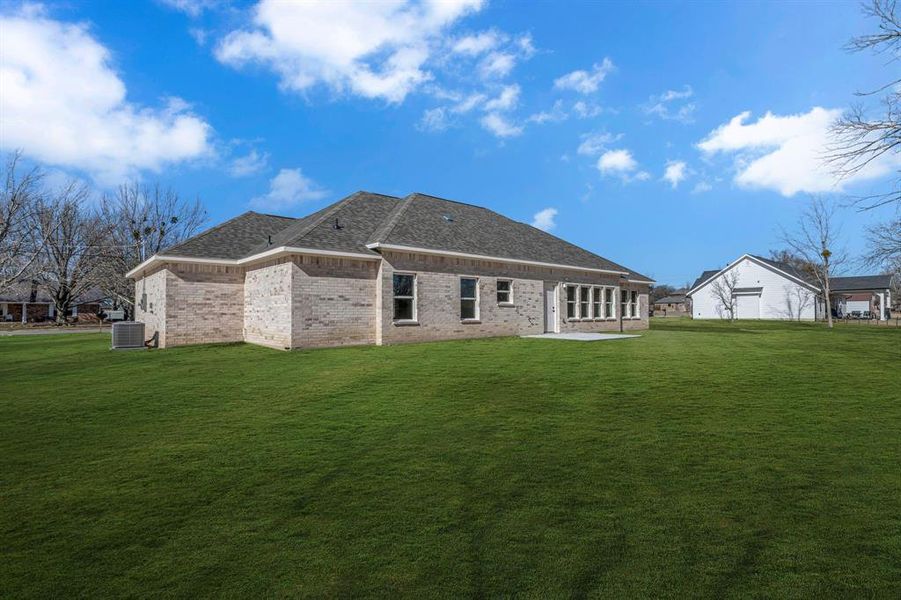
(469, 298)
(504, 291)
(585, 302)
(404, 297)
(608, 303)
(624, 304)
(634, 307)
(570, 302)
(596, 302)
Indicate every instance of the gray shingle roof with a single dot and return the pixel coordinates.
(424, 221)
(671, 300)
(24, 291)
(417, 220)
(860, 282)
(704, 277)
(232, 239)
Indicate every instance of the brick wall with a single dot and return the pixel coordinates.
(334, 301)
(150, 304)
(268, 304)
(204, 304)
(438, 299)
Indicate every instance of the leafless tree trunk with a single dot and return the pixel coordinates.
(19, 246)
(142, 221)
(814, 241)
(857, 139)
(723, 288)
(75, 241)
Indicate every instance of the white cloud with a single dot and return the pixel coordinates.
(544, 219)
(557, 113)
(63, 103)
(584, 110)
(250, 164)
(497, 65)
(675, 172)
(784, 153)
(620, 163)
(594, 144)
(670, 106)
(701, 187)
(473, 45)
(506, 100)
(288, 189)
(372, 49)
(192, 8)
(500, 125)
(585, 82)
(434, 120)
(468, 103)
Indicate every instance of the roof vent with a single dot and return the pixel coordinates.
(337, 225)
(448, 218)
(270, 240)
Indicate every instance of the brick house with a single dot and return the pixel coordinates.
(674, 305)
(376, 269)
(27, 302)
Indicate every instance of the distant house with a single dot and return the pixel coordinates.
(674, 305)
(27, 302)
(864, 295)
(768, 289)
(376, 269)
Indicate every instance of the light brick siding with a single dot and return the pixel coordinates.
(204, 304)
(150, 304)
(309, 301)
(334, 301)
(438, 299)
(267, 304)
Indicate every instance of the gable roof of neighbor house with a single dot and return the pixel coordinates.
(785, 268)
(675, 299)
(364, 223)
(26, 291)
(860, 282)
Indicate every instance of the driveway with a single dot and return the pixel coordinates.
(50, 331)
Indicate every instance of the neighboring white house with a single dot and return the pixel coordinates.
(763, 289)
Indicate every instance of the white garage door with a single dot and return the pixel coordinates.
(747, 307)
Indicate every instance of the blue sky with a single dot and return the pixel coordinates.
(619, 127)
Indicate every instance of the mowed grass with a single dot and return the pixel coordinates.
(702, 459)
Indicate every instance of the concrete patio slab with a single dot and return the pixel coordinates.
(582, 337)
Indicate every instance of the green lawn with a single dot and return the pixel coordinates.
(702, 459)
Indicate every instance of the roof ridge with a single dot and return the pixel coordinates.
(328, 212)
(392, 219)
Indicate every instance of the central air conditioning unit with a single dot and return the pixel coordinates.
(128, 335)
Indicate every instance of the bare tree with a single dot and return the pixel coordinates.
(75, 241)
(19, 247)
(857, 139)
(723, 288)
(142, 220)
(884, 244)
(814, 241)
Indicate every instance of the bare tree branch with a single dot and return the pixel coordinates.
(19, 247)
(723, 289)
(815, 241)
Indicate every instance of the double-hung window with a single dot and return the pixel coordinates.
(469, 299)
(570, 302)
(624, 304)
(608, 303)
(585, 302)
(634, 307)
(404, 297)
(596, 302)
(504, 291)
